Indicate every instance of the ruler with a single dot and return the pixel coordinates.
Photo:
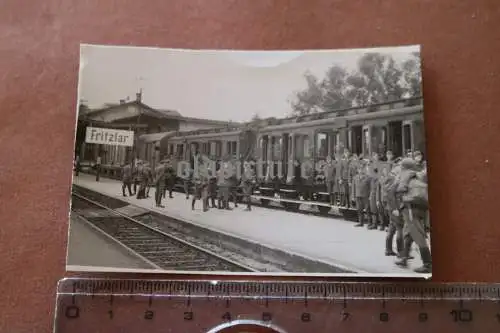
(180, 306)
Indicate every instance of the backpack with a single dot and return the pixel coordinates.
(417, 193)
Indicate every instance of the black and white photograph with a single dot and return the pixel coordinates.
(298, 163)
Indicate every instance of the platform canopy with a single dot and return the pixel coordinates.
(155, 137)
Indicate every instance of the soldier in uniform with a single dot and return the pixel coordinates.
(127, 179)
(393, 207)
(354, 163)
(223, 185)
(362, 192)
(383, 211)
(141, 179)
(77, 165)
(169, 179)
(149, 178)
(247, 182)
(98, 168)
(186, 181)
(344, 179)
(212, 188)
(159, 181)
(234, 182)
(389, 157)
(414, 212)
(200, 181)
(419, 159)
(329, 174)
(374, 198)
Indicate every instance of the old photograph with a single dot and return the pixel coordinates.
(300, 163)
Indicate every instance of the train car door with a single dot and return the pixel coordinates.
(284, 154)
(395, 137)
(407, 137)
(356, 140)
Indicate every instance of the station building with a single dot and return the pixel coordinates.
(152, 128)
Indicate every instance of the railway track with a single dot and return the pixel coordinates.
(162, 250)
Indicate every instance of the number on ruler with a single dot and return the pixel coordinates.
(345, 315)
(305, 317)
(149, 315)
(267, 316)
(188, 316)
(423, 317)
(462, 315)
(383, 317)
(226, 316)
(72, 312)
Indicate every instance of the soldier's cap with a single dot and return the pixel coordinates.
(409, 164)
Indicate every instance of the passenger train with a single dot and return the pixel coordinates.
(282, 144)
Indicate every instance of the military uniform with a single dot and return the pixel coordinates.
(212, 190)
(159, 181)
(393, 206)
(247, 182)
(374, 199)
(170, 178)
(127, 179)
(362, 191)
(200, 190)
(344, 182)
(414, 215)
(141, 179)
(329, 174)
(98, 168)
(354, 165)
(223, 184)
(149, 179)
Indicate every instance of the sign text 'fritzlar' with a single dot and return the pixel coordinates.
(106, 136)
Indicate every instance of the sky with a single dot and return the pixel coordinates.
(220, 85)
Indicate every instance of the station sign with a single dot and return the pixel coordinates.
(107, 136)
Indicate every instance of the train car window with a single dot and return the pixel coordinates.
(306, 147)
(277, 148)
(218, 149)
(234, 150)
(265, 145)
(321, 145)
(407, 141)
(366, 141)
(180, 151)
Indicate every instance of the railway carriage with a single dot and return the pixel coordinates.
(308, 140)
(218, 144)
(292, 151)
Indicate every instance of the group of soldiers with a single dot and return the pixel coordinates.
(205, 182)
(388, 194)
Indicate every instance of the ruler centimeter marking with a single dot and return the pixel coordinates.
(100, 305)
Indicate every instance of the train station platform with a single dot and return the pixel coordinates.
(90, 250)
(331, 240)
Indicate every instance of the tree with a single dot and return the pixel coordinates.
(413, 75)
(256, 117)
(308, 100)
(378, 78)
(335, 88)
(382, 77)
